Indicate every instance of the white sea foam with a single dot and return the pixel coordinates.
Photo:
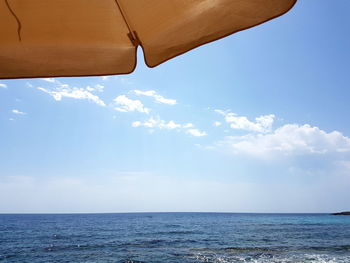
(267, 258)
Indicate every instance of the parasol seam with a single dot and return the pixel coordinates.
(132, 34)
(19, 25)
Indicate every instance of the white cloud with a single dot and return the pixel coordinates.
(105, 78)
(154, 123)
(75, 93)
(126, 81)
(188, 125)
(221, 112)
(18, 112)
(97, 87)
(136, 124)
(124, 104)
(157, 123)
(172, 125)
(196, 132)
(290, 139)
(51, 80)
(158, 98)
(262, 124)
(61, 90)
(2, 85)
(216, 124)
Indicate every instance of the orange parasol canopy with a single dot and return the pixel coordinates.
(47, 38)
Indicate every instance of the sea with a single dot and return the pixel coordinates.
(175, 237)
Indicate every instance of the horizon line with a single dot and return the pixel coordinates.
(154, 212)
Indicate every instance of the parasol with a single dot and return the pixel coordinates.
(47, 38)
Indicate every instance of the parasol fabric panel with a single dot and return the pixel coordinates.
(46, 38)
(169, 28)
(63, 38)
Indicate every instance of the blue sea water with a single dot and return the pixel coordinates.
(175, 237)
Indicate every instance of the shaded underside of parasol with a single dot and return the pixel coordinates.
(41, 38)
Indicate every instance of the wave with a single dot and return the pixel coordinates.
(270, 258)
(335, 254)
(280, 249)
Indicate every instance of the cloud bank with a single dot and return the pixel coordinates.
(288, 140)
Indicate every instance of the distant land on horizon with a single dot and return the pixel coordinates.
(342, 214)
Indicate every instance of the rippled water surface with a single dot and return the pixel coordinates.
(175, 237)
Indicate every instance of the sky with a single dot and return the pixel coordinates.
(255, 122)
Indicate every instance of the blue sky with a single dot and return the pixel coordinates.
(255, 122)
